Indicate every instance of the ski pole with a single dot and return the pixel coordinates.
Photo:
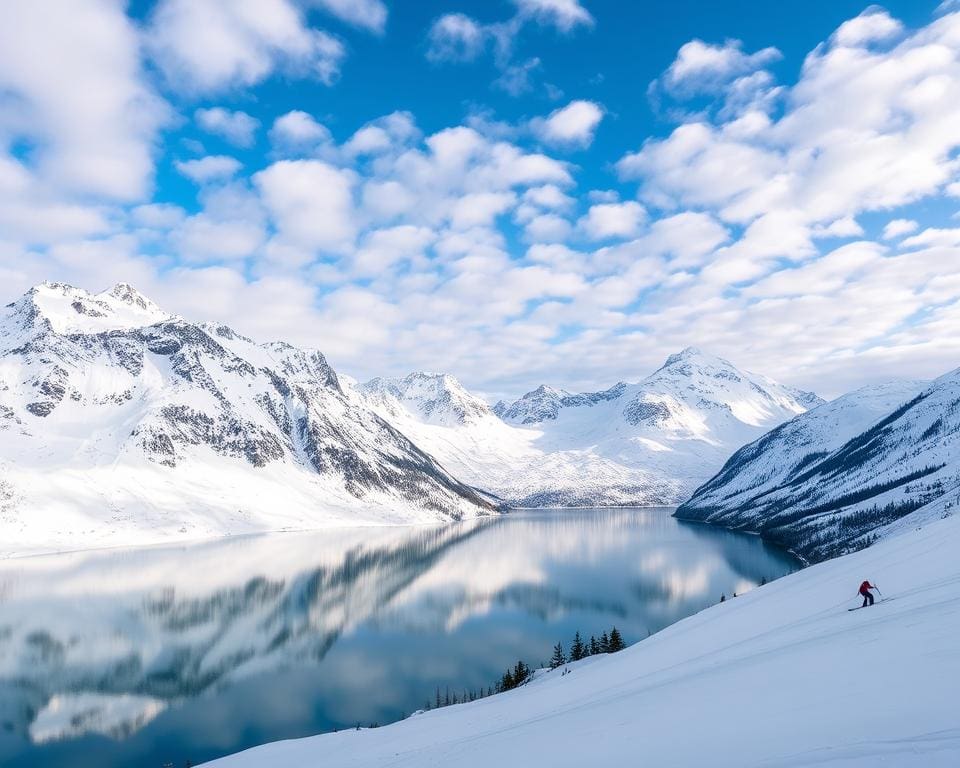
(878, 590)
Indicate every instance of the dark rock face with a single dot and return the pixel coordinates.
(646, 412)
(544, 403)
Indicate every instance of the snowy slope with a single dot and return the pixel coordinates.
(837, 477)
(781, 677)
(120, 423)
(646, 443)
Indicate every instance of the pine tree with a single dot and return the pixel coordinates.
(446, 701)
(520, 673)
(558, 659)
(723, 598)
(594, 646)
(616, 641)
(604, 643)
(438, 698)
(577, 650)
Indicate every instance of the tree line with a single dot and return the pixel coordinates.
(520, 672)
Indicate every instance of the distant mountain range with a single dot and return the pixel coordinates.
(121, 423)
(647, 443)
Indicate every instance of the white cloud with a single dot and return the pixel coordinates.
(607, 220)
(572, 125)
(862, 132)
(382, 249)
(563, 14)
(845, 226)
(517, 79)
(870, 26)
(547, 228)
(297, 129)
(933, 236)
(703, 67)
(370, 14)
(391, 132)
(230, 226)
(215, 45)
(455, 37)
(158, 215)
(898, 227)
(209, 168)
(310, 203)
(72, 86)
(548, 196)
(238, 127)
(480, 208)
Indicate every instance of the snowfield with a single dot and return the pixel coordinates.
(783, 676)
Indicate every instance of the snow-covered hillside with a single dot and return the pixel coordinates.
(781, 677)
(837, 478)
(646, 443)
(123, 424)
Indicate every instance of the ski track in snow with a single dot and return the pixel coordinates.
(780, 677)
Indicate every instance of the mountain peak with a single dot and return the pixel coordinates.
(437, 398)
(66, 309)
(685, 355)
(129, 295)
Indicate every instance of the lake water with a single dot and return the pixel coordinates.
(160, 656)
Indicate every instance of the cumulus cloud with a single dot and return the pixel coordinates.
(455, 37)
(547, 228)
(229, 227)
(310, 204)
(607, 220)
(72, 85)
(565, 15)
(212, 46)
(209, 168)
(572, 125)
(297, 129)
(872, 25)
(898, 227)
(238, 127)
(702, 67)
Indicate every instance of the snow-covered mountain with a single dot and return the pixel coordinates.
(646, 443)
(121, 423)
(851, 471)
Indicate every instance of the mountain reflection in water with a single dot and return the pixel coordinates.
(163, 655)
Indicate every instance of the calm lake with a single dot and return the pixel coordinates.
(160, 656)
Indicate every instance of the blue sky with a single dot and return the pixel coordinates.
(513, 192)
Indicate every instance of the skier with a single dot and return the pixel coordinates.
(867, 596)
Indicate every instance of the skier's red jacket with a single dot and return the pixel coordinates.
(866, 587)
